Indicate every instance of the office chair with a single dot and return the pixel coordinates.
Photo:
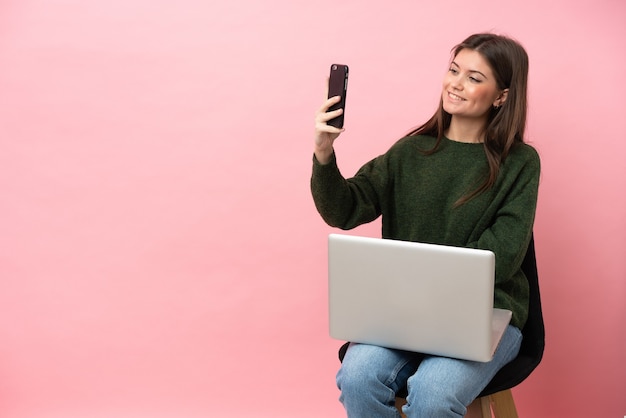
(497, 395)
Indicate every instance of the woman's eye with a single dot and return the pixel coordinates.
(475, 80)
(453, 70)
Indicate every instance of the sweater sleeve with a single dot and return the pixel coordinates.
(347, 203)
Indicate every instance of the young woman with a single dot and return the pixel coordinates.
(464, 178)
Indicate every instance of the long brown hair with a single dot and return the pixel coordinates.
(505, 125)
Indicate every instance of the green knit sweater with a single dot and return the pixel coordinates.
(415, 194)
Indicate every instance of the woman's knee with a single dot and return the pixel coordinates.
(367, 366)
(357, 369)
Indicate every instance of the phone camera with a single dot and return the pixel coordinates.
(334, 67)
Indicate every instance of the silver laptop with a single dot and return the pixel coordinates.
(426, 298)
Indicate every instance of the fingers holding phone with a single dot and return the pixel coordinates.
(327, 114)
(326, 134)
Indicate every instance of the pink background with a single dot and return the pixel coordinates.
(160, 255)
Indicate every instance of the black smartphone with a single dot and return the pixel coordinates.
(338, 86)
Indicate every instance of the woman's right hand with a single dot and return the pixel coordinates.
(326, 134)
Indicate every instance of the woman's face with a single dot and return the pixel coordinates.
(469, 87)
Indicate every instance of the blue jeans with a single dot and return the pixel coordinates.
(370, 376)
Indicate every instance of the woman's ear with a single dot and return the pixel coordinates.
(501, 98)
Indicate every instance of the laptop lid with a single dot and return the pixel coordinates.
(427, 298)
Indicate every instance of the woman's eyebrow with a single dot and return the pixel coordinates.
(471, 71)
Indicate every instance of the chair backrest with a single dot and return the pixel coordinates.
(533, 344)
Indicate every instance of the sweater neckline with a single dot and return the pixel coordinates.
(461, 143)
